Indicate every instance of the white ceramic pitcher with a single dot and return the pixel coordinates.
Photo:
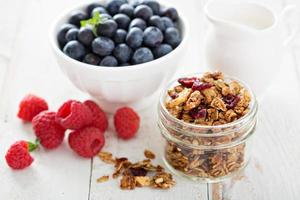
(245, 40)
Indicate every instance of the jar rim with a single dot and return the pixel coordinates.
(250, 114)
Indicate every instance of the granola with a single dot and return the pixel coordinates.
(103, 179)
(210, 100)
(139, 174)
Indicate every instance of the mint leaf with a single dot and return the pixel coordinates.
(92, 22)
(33, 146)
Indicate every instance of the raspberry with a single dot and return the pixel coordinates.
(18, 156)
(126, 122)
(87, 142)
(73, 115)
(30, 106)
(99, 119)
(47, 130)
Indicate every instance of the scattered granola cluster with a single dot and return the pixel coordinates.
(209, 100)
(139, 174)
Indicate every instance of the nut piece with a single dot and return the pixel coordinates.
(193, 101)
(162, 180)
(106, 157)
(102, 179)
(142, 181)
(149, 154)
(182, 98)
(218, 104)
(127, 182)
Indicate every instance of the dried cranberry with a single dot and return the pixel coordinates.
(187, 82)
(174, 96)
(197, 113)
(201, 86)
(138, 171)
(231, 100)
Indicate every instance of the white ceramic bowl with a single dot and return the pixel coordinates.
(113, 87)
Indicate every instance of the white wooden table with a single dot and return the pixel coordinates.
(27, 65)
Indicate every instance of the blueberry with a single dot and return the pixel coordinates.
(74, 49)
(107, 28)
(61, 35)
(120, 36)
(135, 3)
(137, 22)
(162, 50)
(171, 13)
(124, 64)
(92, 59)
(153, 4)
(142, 55)
(143, 11)
(172, 37)
(167, 22)
(109, 61)
(153, 37)
(105, 16)
(122, 20)
(92, 6)
(123, 53)
(127, 9)
(134, 37)
(72, 34)
(113, 6)
(101, 10)
(77, 16)
(155, 20)
(86, 36)
(103, 46)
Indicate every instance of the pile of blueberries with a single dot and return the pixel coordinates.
(129, 33)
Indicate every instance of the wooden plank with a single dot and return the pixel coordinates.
(56, 174)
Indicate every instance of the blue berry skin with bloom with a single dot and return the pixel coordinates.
(72, 34)
(156, 21)
(134, 38)
(86, 36)
(171, 13)
(143, 11)
(153, 4)
(107, 28)
(92, 59)
(162, 50)
(123, 53)
(153, 37)
(122, 20)
(106, 16)
(120, 36)
(101, 10)
(75, 50)
(103, 46)
(77, 16)
(172, 37)
(127, 9)
(142, 55)
(91, 7)
(139, 23)
(109, 61)
(61, 35)
(167, 22)
(124, 64)
(113, 6)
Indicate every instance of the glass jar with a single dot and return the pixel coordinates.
(206, 153)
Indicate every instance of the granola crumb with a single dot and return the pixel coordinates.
(149, 154)
(136, 174)
(103, 179)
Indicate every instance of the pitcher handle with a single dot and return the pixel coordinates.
(286, 11)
